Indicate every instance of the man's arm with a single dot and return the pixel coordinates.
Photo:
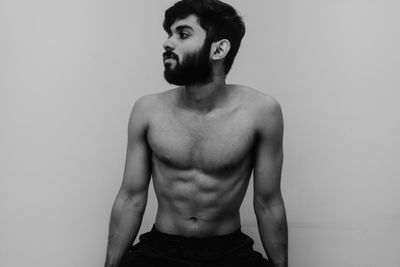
(130, 203)
(268, 202)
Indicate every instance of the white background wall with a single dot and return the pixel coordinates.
(71, 70)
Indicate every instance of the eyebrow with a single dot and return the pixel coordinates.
(183, 27)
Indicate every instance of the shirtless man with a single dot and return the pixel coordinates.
(200, 142)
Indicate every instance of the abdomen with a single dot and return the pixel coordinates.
(194, 203)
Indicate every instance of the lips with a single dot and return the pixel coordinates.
(169, 56)
(168, 60)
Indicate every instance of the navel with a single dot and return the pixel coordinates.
(193, 219)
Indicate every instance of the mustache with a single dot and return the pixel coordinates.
(169, 54)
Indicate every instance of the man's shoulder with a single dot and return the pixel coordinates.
(148, 107)
(259, 102)
(150, 103)
(263, 108)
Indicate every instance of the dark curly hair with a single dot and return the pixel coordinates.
(218, 19)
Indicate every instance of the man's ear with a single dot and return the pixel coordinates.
(220, 49)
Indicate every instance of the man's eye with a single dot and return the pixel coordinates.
(183, 35)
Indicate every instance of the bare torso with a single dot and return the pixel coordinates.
(201, 163)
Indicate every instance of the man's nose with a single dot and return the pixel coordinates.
(168, 45)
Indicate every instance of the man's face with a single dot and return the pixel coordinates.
(187, 55)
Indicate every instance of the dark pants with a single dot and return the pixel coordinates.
(159, 249)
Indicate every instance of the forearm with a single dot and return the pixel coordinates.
(126, 218)
(272, 226)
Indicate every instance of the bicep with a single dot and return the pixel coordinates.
(269, 156)
(137, 170)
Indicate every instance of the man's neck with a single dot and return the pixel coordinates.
(206, 97)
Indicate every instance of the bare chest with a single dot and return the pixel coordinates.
(215, 143)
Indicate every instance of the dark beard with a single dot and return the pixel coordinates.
(195, 68)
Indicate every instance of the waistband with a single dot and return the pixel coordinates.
(214, 241)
